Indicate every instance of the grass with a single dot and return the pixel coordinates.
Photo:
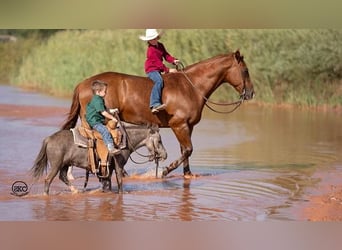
(292, 66)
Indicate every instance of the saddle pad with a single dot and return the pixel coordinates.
(79, 139)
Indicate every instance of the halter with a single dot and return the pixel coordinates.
(236, 103)
(151, 157)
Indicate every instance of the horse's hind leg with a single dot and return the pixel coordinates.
(63, 176)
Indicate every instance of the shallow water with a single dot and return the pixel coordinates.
(256, 164)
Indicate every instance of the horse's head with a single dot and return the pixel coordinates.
(238, 77)
(154, 144)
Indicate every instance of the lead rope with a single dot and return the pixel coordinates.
(236, 103)
(156, 160)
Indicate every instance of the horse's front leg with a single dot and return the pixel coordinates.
(183, 135)
(173, 166)
(186, 166)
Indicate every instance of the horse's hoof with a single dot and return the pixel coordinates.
(125, 174)
(73, 190)
(188, 175)
(106, 190)
(165, 173)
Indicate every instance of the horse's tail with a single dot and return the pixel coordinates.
(75, 108)
(40, 164)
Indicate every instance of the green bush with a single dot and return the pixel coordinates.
(300, 66)
(12, 55)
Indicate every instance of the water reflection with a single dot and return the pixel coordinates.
(80, 207)
(238, 195)
(186, 209)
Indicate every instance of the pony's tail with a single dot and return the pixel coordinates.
(40, 163)
(75, 108)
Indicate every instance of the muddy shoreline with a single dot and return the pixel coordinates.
(326, 205)
(27, 111)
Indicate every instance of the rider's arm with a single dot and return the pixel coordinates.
(108, 115)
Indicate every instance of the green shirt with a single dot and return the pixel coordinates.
(94, 109)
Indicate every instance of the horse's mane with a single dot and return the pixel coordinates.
(207, 61)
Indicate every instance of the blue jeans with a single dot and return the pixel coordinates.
(156, 93)
(106, 136)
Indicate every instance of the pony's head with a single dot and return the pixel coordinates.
(154, 143)
(238, 77)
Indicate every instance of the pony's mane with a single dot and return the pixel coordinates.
(152, 127)
(134, 126)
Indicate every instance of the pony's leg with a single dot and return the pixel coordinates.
(86, 179)
(63, 176)
(49, 178)
(69, 174)
(107, 181)
(183, 134)
(118, 174)
(106, 184)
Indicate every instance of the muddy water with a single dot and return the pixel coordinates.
(257, 164)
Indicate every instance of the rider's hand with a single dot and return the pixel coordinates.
(113, 111)
(176, 61)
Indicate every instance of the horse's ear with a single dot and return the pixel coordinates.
(238, 56)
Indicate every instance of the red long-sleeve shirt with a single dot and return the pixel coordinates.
(154, 60)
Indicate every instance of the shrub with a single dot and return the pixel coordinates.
(298, 66)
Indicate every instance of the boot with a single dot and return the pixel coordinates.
(112, 150)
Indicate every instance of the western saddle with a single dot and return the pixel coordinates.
(98, 153)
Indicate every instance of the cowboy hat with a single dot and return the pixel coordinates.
(150, 34)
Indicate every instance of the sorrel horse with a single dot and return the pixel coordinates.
(185, 93)
(60, 151)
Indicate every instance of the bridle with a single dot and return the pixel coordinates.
(150, 157)
(180, 67)
(130, 145)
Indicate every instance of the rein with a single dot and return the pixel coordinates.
(236, 103)
(131, 146)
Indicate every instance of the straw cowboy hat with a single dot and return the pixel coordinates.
(150, 34)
